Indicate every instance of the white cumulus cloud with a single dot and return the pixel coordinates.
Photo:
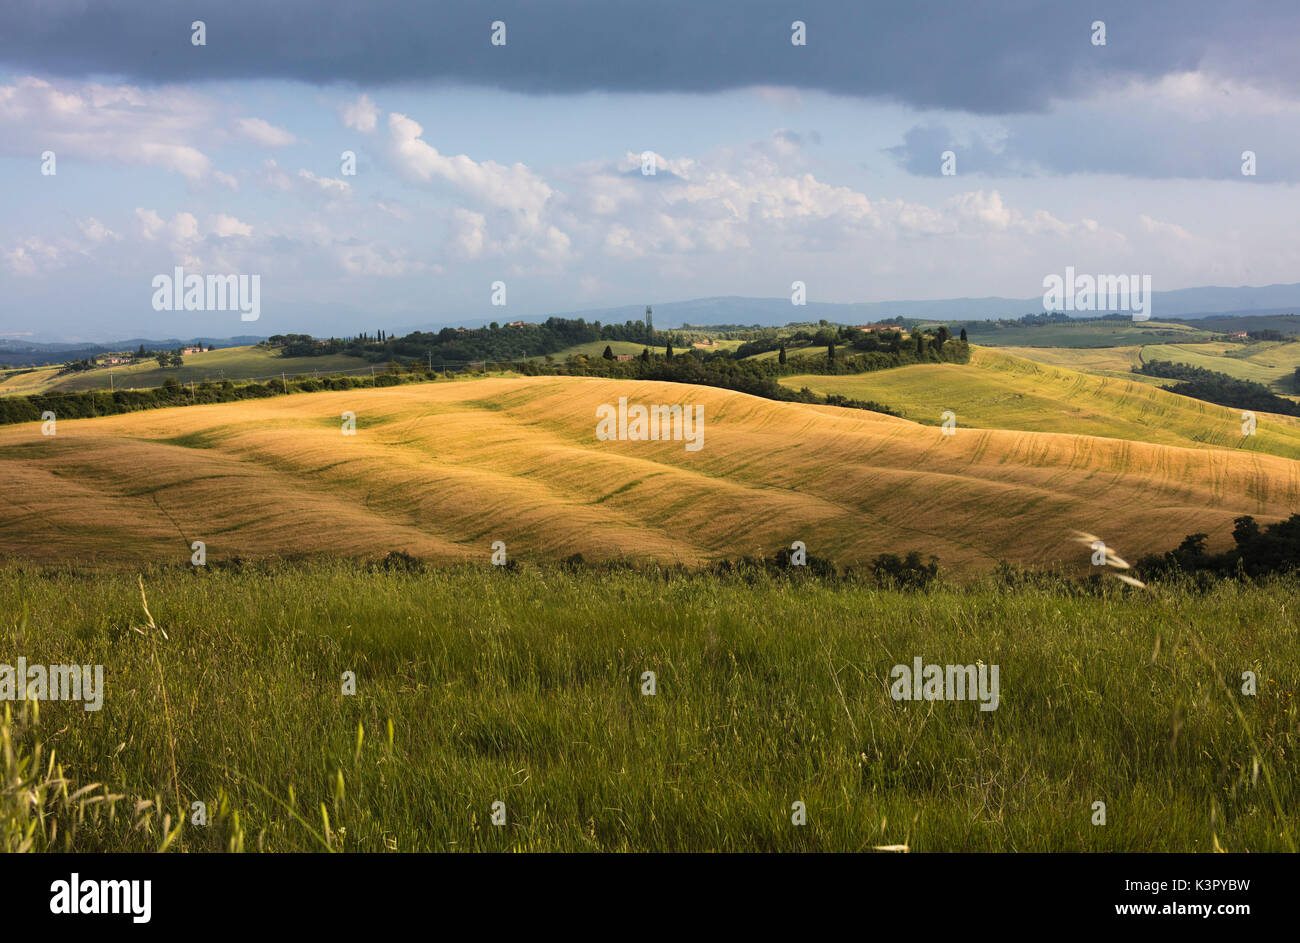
(360, 115)
(263, 132)
(515, 188)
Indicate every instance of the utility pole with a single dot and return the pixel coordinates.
(285, 382)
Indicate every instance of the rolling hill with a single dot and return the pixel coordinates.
(1106, 361)
(227, 363)
(596, 348)
(441, 470)
(998, 391)
(1271, 363)
(24, 380)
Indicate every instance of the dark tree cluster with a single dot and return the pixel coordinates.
(1257, 551)
(1219, 388)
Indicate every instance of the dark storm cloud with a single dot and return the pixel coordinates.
(993, 57)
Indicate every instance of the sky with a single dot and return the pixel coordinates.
(521, 162)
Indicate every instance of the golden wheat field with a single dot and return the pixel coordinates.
(1107, 361)
(442, 470)
(22, 381)
(999, 391)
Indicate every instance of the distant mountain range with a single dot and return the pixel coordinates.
(1181, 303)
(700, 312)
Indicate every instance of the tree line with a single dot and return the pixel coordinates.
(1256, 552)
(1218, 388)
(85, 405)
(453, 347)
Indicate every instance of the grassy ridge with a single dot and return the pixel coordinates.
(998, 391)
(1103, 361)
(524, 687)
(597, 348)
(231, 363)
(23, 380)
(1272, 364)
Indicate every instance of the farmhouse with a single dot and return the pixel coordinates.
(192, 350)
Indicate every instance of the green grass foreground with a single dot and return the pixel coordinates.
(479, 685)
